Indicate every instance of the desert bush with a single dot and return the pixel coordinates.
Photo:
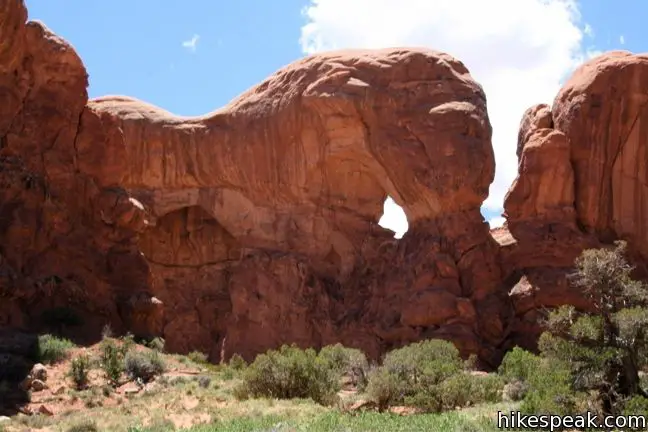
(471, 362)
(518, 365)
(460, 390)
(128, 341)
(198, 357)
(227, 373)
(384, 388)
(79, 369)
(515, 390)
(156, 344)
(52, 349)
(412, 375)
(603, 350)
(544, 384)
(637, 405)
(289, 373)
(237, 362)
(112, 360)
(453, 392)
(204, 381)
(486, 388)
(347, 361)
(144, 366)
(550, 390)
(426, 362)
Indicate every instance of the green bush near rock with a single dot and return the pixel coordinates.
(52, 349)
(289, 373)
(143, 366)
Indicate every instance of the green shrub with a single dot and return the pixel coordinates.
(424, 363)
(79, 368)
(204, 381)
(411, 375)
(637, 405)
(112, 360)
(384, 388)
(227, 373)
(144, 366)
(198, 357)
(515, 390)
(455, 391)
(52, 349)
(486, 388)
(550, 390)
(464, 389)
(237, 362)
(471, 362)
(128, 341)
(347, 361)
(518, 365)
(156, 344)
(289, 373)
(606, 347)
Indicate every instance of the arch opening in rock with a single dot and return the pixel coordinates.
(494, 218)
(394, 218)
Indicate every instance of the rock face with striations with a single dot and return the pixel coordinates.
(254, 225)
(583, 181)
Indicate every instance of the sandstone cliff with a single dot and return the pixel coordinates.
(256, 224)
(583, 181)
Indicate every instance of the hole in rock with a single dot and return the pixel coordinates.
(493, 217)
(394, 218)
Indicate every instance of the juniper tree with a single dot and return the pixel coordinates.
(607, 346)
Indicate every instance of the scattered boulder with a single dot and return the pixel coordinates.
(39, 372)
(45, 410)
(38, 385)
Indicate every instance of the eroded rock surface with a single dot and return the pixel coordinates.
(254, 225)
(582, 182)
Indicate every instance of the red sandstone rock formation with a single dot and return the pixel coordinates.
(254, 225)
(583, 180)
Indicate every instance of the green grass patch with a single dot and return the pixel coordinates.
(334, 421)
(52, 349)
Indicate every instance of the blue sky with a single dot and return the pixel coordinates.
(192, 57)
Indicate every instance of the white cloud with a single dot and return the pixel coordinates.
(588, 30)
(192, 43)
(519, 50)
(622, 40)
(496, 222)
